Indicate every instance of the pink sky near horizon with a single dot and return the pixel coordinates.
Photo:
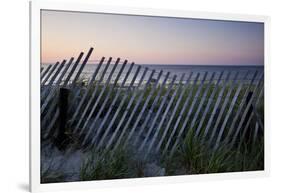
(150, 40)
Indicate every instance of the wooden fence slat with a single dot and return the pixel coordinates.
(54, 102)
(247, 126)
(83, 65)
(114, 135)
(65, 82)
(173, 113)
(140, 115)
(241, 122)
(203, 99)
(238, 112)
(112, 120)
(86, 94)
(93, 94)
(195, 99)
(257, 125)
(160, 109)
(99, 97)
(224, 105)
(258, 118)
(229, 112)
(136, 107)
(43, 74)
(218, 101)
(150, 110)
(53, 106)
(255, 103)
(49, 74)
(51, 82)
(96, 102)
(249, 120)
(248, 105)
(181, 113)
(210, 100)
(176, 92)
(111, 87)
(255, 133)
(43, 84)
(51, 123)
(48, 96)
(78, 91)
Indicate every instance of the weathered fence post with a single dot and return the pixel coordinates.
(63, 108)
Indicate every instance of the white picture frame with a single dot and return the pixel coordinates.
(36, 6)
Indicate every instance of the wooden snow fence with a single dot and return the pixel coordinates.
(121, 103)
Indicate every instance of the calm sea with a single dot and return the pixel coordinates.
(244, 73)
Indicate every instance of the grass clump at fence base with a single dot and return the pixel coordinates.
(49, 174)
(118, 164)
(105, 165)
(194, 157)
(52, 177)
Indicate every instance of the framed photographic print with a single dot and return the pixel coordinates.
(127, 94)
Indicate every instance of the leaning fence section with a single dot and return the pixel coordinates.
(124, 104)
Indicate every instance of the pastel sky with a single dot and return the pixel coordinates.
(151, 40)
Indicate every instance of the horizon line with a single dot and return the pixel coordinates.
(181, 64)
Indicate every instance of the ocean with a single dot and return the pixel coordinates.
(241, 73)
